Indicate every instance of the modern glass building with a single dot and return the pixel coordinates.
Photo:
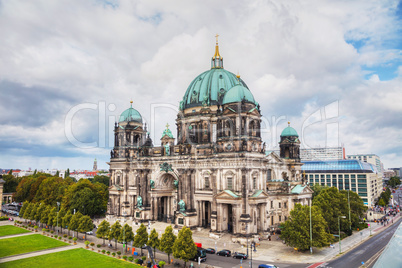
(357, 176)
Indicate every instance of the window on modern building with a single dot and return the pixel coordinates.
(346, 176)
(317, 176)
(334, 176)
(317, 180)
(310, 176)
(340, 176)
(353, 176)
(363, 176)
(328, 176)
(207, 182)
(322, 176)
(230, 183)
(353, 189)
(328, 181)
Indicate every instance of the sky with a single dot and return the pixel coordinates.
(68, 69)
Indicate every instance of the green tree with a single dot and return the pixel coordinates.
(27, 211)
(103, 230)
(332, 204)
(23, 209)
(35, 172)
(357, 207)
(52, 217)
(381, 202)
(184, 247)
(141, 238)
(90, 199)
(126, 235)
(62, 213)
(317, 188)
(101, 179)
(75, 222)
(32, 215)
(66, 221)
(85, 225)
(39, 211)
(45, 215)
(115, 232)
(394, 181)
(296, 230)
(67, 174)
(10, 184)
(167, 241)
(153, 240)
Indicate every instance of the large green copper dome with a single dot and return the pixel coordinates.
(238, 93)
(209, 88)
(129, 115)
(289, 131)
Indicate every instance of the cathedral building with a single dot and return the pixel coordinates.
(216, 174)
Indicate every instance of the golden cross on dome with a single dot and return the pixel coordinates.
(167, 126)
(217, 35)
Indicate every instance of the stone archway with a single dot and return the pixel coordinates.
(164, 201)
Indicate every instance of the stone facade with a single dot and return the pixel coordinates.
(216, 176)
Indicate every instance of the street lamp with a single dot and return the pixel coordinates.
(57, 221)
(339, 225)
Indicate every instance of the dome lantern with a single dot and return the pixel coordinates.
(217, 60)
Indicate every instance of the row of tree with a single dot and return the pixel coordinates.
(87, 197)
(328, 206)
(182, 246)
(43, 214)
(384, 198)
(394, 182)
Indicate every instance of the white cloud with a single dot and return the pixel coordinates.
(296, 57)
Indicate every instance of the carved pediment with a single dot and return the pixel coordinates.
(115, 188)
(227, 194)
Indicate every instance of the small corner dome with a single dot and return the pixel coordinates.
(238, 93)
(288, 132)
(130, 115)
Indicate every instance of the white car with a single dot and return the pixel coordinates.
(90, 233)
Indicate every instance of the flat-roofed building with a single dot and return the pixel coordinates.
(369, 158)
(354, 175)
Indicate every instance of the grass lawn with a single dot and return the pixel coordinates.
(28, 243)
(11, 230)
(70, 258)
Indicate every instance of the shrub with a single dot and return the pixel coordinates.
(36, 228)
(70, 237)
(143, 258)
(65, 235)
(86, 243)
(51, 231)
(130, 258)
(103, 251)
(113, 254)
(59, 237)
(118, 253)
(136, 261)
(92, 244)
(55, 236)
(98, 245)
(75, 239)
(161, 263)
(108, 252)
(124, 257)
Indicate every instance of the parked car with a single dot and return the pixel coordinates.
(239, 255)
(267, 266)
(90, 233)
(224, 252)
(210, 250)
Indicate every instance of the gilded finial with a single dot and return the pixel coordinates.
(131, 103)
(217, 48)
(238, 75)
(288, 124)
(167, 126)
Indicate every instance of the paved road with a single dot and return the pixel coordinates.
(368, 252)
